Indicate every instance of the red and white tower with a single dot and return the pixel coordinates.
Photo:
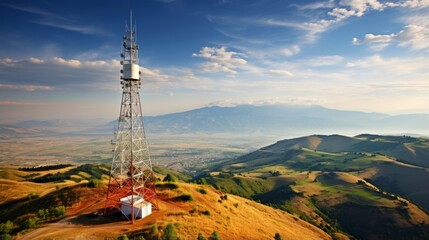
(131, 183)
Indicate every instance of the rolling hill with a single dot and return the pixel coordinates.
(369, 186)
(209, 210)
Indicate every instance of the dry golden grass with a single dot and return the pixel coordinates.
(13, 190)
(234, 218)
(13, 186)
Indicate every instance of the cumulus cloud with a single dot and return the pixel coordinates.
(220, 60)
(153, 74)
(342, 13)
(280, 72)
(409, 4)
(35, 74)
(413, 36)
(352, 8)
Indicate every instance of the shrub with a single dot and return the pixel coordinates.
(154, 232)
(95, 183)
(41, 213)
(170, 232)
(32, 196)
(206, 212)
(6, 227)
(5, 237)
(169, 178)
(277, 236)
(184, 198)
(202, 191)
(167, 185)
(59, 211)
(214, 236)
(31, 222)
(235, 205)
(201, 237)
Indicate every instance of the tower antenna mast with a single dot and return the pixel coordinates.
(131, 182)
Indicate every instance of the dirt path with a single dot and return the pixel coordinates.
(51, 227)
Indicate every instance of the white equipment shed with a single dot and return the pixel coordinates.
(141, 208)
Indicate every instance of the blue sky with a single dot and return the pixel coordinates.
(60, 59)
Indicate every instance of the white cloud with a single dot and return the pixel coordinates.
(379, 38)
(326, 60)
(220, 60)
(70, 63)
(361, 6)
(355, 41)
(416, 37)
(413, 36)
(341, 13)
(317, 5)
(409, 4)
(35, 60)
(290, 51)
(29, 88)
(280, 72)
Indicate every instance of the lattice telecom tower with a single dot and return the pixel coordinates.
(131, 183)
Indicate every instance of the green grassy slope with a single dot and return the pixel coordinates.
(334, 181)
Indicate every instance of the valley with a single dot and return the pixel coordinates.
(362, 187)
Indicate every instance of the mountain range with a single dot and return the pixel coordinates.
(280, 120)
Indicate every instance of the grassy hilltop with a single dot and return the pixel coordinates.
(368, 186)
(204, 210)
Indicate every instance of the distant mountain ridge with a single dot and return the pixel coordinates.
(278, 119)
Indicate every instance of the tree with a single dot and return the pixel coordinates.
(47, 213)
(170, 232)
(60, 211)
(6, 227)
(154, 232)
(5, 237)
(277, 236)
(41, 213)
(214, 236)
(31, 222)
(169, 178)
(201, 237)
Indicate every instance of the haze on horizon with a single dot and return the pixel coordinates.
(60, 59)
